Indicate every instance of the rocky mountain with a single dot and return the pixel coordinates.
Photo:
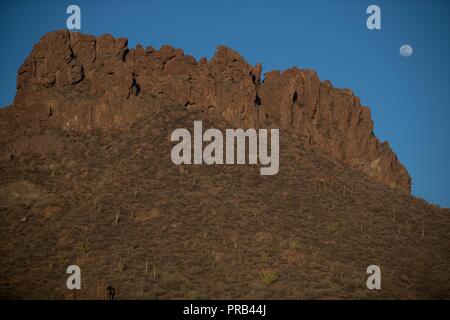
(86, 178)
(80, 82)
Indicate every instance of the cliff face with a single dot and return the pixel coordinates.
(81, 82)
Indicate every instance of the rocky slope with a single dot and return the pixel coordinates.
(116, 206)
(80, 82)
(86, 179)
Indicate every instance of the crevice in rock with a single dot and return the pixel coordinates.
(81, 76)
(293, 101)
(72, 55)
(125, 53)
(257, 100)
(294, 98)
(95, 51)
(316, 107)
(134, 88)
(165, 62)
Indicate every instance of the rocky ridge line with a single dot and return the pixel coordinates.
(82, 82)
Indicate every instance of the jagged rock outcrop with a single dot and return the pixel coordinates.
(81, 82)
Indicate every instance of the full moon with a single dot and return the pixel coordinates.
(406, 50)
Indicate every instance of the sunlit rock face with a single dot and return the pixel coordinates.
(81, 82)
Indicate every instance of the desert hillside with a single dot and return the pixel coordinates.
(87, 179)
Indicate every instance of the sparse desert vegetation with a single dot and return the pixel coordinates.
(115, 205)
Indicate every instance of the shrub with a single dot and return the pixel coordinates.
(268, 276)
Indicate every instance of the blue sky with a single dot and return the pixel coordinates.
(409, 97)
